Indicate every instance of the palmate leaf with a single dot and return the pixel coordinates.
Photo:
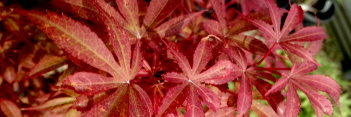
(82, 44)
(275, 35)
(309, 84)
(128, 17)
(127, 100)
(249, 78)
(232, 30)
(79, 41)
(189, 87)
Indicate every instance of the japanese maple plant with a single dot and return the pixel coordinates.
(188, 57)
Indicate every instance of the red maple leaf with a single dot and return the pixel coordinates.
(190, 81)
(309, 84)
(82, 43)
(292, 43)
(250, 75)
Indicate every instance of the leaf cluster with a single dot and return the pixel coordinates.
(176, 58)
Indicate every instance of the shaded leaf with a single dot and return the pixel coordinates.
(274, 100)
(90, 83)
(250, 44)
(174, 98)
(46, 64)
(9, 108)
(210, 98)
(127, 100)
(262, 110)
(10, 74)
(158, 10)
(130, 10)
(52, 103)
(175, 25)
(213, 27)
(82, 43)
(219, 8)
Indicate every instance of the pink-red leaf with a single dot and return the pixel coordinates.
(220, 10)
(174, 77)
(47, 63)
(90, 83)
(112, 102)
(194, 107)
(136, 60)
(262, 110)
(158, 10)
(221, 72)
(311, 33)
(210, 98)
(266, 29)
(213, 27)
(223, 112)
(130, 10)
(244, 96)
(202, 56)
(250, 43)
(278, 86)
(174, 98)
(275, 14)
(181, 60)
(175, 25)
(140, 104)
(106, 10)
(292, 107)
(274, 99)
(52, 103)
(294, 18)
(76, 39)
(302, 68)
(10, 74)
(9, 108)
(238, 55)
(322, 83)
(299, 51)
(122, 48)
(81, 8)
(127, 100)
(317, 99)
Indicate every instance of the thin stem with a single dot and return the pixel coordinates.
(269, 51)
